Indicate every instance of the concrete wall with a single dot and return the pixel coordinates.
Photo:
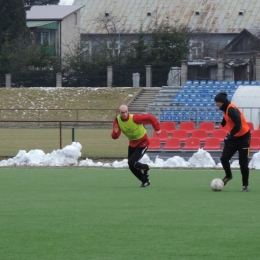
(69, 32)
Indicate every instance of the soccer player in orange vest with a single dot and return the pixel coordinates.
(237, 139)
(133, 128)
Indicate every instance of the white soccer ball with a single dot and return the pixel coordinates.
(217, 184)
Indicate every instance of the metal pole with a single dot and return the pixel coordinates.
(60, 137)
(73, 134)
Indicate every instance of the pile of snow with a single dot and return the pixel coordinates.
(69, 156)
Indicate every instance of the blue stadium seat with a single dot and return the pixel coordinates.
(193, 87)
(224, 83)
(239, 82)
(176, 118)
(193, 96)
(222, 88)
(246, 82)
(210, 82)
(168, 113)
(161, 118)
(253, 82)
(212, 92)
(188, 82)
(217, 82)
(203, 82)
(175, 101)
(185, 87)
(232, 82)
(196, 82)
(168, 118)
(185, 118)
(201, 118)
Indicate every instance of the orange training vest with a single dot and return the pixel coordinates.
(230, 124)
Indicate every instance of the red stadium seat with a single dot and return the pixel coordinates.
(219, 133)
(155, 144)
(163, 136)
(255, 143)
(192, 143)
(251, 126)
(181, 134)
(172, 144)
(225, 127)
(208, 126)
(168, 126)
(200, 133)
(212, 143)
(188, 126)
(256, 133)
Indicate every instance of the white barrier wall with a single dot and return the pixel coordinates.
(247, 98)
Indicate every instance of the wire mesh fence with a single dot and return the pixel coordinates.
(34, 79)
(123, 77)
(94, 136)
(57, 114)
(87, 79)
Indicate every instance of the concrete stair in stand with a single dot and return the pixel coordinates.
(140, 101)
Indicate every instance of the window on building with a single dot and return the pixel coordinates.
(75, 18)
(87, 47)
(114, 46)
(196, 51)
(42, 37)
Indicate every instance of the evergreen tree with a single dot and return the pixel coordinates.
(12, 20)
(41, 2)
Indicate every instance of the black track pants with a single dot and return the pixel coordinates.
(242, 146)
(134, 155)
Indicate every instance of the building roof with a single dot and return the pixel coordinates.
(214, 16)
(51, 12)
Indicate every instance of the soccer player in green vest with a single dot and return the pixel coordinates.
(132, 125)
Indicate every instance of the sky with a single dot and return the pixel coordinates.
(66, 2)
(70, 154)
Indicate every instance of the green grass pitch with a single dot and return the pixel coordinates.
(78, 213)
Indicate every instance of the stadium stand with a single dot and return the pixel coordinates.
(192, 107)
(194, 101)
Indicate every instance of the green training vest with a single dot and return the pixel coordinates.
(132, 130)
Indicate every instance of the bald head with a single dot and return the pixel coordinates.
(123, 111)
